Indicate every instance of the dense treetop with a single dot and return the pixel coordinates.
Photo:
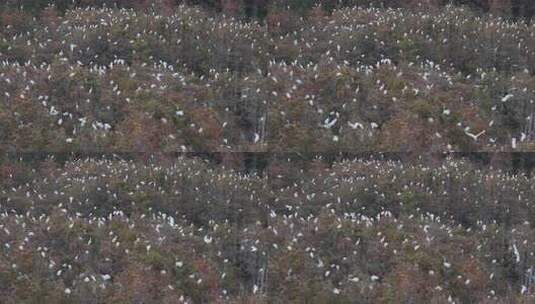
(355, 79)
(267, 151)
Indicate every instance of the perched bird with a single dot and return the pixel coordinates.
(329, 123)
(507, 97)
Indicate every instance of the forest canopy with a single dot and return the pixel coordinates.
(267, 151)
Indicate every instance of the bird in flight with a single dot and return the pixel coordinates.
(355, 125)
(474, 136)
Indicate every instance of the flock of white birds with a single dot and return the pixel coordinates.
(348, 80)
(181, 230)
(89, 225)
